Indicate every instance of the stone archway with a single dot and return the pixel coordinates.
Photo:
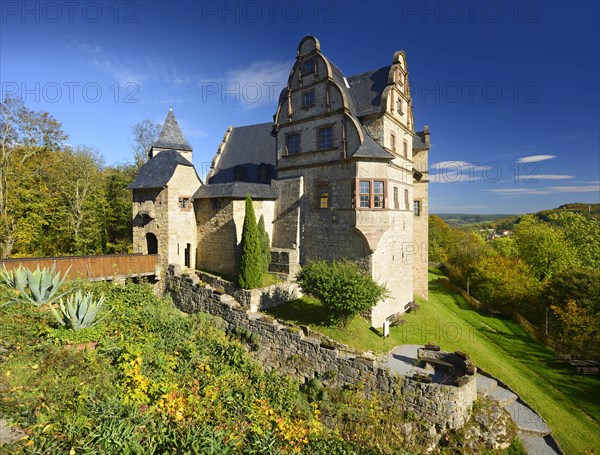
(151, 243)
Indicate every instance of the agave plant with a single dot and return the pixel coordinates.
(42, 284)
(79, 311)
(16, 278)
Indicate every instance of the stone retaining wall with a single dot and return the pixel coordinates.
(304, 355)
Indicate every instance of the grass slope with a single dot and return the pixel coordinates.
(569, 403)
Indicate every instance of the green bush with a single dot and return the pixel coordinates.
(265, 244)
(251, 263)
(342, 287)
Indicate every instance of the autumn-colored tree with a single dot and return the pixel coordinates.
(544, 248)
(503, 282)
(578, 329)
(25, 136)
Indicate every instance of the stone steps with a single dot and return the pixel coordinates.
(533, 431)
(528, 421)
(503, 396)
(485, 385)
(538, 445)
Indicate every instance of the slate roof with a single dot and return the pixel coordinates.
(236, 190)
(157, 171)
(367, 89)
(246, 150)
(371, 149)
(419, 141)
(171, 136)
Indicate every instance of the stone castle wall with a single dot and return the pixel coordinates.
(303, 354)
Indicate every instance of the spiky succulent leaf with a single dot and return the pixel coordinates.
(80, 310)
(7, 277)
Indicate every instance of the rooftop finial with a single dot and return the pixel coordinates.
(171, 108)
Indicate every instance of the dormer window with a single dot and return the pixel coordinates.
(400, 109)
(308, 67)
(308, 98)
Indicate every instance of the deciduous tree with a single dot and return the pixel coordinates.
(24, 136)
(144, 135)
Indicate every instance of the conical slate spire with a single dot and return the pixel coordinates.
(171, 136)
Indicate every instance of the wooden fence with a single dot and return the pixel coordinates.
(523, 323)
(95, 268)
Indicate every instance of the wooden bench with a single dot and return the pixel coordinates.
(582, 370)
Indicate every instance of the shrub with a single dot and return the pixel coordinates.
(265, 244)
(251, 268)
(342, 287)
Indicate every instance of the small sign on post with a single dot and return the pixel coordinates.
(386, 328)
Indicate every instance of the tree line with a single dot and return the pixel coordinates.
(58, 199)
(548, 271)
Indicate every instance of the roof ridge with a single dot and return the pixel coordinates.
(367, 72)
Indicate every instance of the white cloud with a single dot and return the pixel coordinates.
(250, 86)
(548, 177)
(516, 191)
(576, 189)
(535, 158)
(549, 190)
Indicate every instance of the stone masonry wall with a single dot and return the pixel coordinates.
(303, 354)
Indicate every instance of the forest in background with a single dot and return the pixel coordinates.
(58, 199)
(547, 269)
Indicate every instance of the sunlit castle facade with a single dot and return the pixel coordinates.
(340, 172)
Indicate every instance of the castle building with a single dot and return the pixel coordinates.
(339, 173)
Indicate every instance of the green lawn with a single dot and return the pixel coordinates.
(568, 402)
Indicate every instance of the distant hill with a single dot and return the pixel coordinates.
(467, 219)
(499, 221)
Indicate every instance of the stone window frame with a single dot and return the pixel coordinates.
(322, 128)
(396, 198)
(310, 61)
(371, 182)
(287, 136)
(406, 199)
(392, 141)
(405, 148)
(185, 203)
(417, 207)
(400, 106)
(323, 196)
(305, 94)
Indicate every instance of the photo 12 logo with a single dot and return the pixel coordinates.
(69, 12)
(468, 12)
(269, 12)
(72, 92)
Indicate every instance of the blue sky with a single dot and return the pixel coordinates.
(510, 90)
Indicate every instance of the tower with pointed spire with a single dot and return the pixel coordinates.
(163, 216)
(171, 138)
(340, 172)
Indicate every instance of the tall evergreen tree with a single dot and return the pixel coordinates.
(251, 265)
(265, 244)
